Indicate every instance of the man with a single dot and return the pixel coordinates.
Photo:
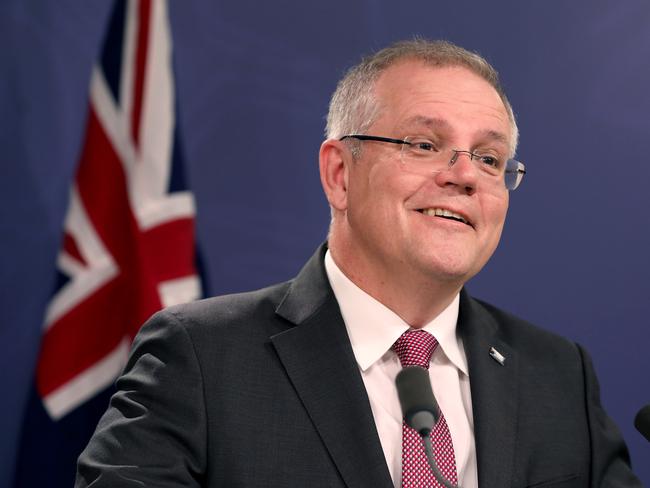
(294, 385)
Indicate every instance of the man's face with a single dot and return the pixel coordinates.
(391, 210)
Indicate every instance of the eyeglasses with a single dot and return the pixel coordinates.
(422, 155)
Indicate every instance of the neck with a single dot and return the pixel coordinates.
(414, 297)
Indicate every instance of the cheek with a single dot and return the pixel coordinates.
(385, 190)
(378, 189)
(495, 210)
(496, 204)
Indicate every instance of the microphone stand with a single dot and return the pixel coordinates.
(428, 449)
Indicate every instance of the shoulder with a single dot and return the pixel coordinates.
(234, 315)
(514, 327)
(227, 308)
(538, 345)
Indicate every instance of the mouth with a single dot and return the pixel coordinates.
(445, 214)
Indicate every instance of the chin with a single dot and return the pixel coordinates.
(450, 270)
(451, 263)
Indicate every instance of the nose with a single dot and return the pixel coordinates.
(461, 172)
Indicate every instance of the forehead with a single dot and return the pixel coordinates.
(413, 94)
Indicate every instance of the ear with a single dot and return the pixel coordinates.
(334, 158)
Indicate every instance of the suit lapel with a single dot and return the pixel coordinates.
(494, 393)
(318, 358)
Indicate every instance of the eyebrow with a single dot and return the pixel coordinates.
(495, 136)
(430, 122)
(443, 124)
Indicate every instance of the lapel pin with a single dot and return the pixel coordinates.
(497, 356)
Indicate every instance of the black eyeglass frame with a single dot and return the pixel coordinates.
(519, 170)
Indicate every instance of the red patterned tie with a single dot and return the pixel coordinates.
(414, 348)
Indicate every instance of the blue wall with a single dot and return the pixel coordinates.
(254, 80)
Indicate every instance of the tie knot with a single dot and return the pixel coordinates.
(414, 348)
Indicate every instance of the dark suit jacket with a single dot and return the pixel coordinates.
(262, 389)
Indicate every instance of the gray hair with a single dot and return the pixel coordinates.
(354, 106)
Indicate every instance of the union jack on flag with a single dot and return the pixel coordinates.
(128, 242)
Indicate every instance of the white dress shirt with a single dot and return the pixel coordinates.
(373, 328)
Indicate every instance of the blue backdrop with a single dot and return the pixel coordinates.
(254, 79)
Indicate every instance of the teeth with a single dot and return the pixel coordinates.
(443, 212)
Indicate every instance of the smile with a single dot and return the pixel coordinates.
(445, 214)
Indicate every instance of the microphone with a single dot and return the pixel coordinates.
(420, 410)
(642, 422)
(419, 406)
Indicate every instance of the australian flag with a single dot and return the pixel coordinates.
(128, 243)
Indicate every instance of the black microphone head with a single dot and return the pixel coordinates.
(419, 406)
(642, 421)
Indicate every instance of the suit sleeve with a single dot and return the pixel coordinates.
(154, 431)
(610, 466)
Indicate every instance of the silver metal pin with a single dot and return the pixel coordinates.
(497, 356)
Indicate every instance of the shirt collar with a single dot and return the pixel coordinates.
(373, 328)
